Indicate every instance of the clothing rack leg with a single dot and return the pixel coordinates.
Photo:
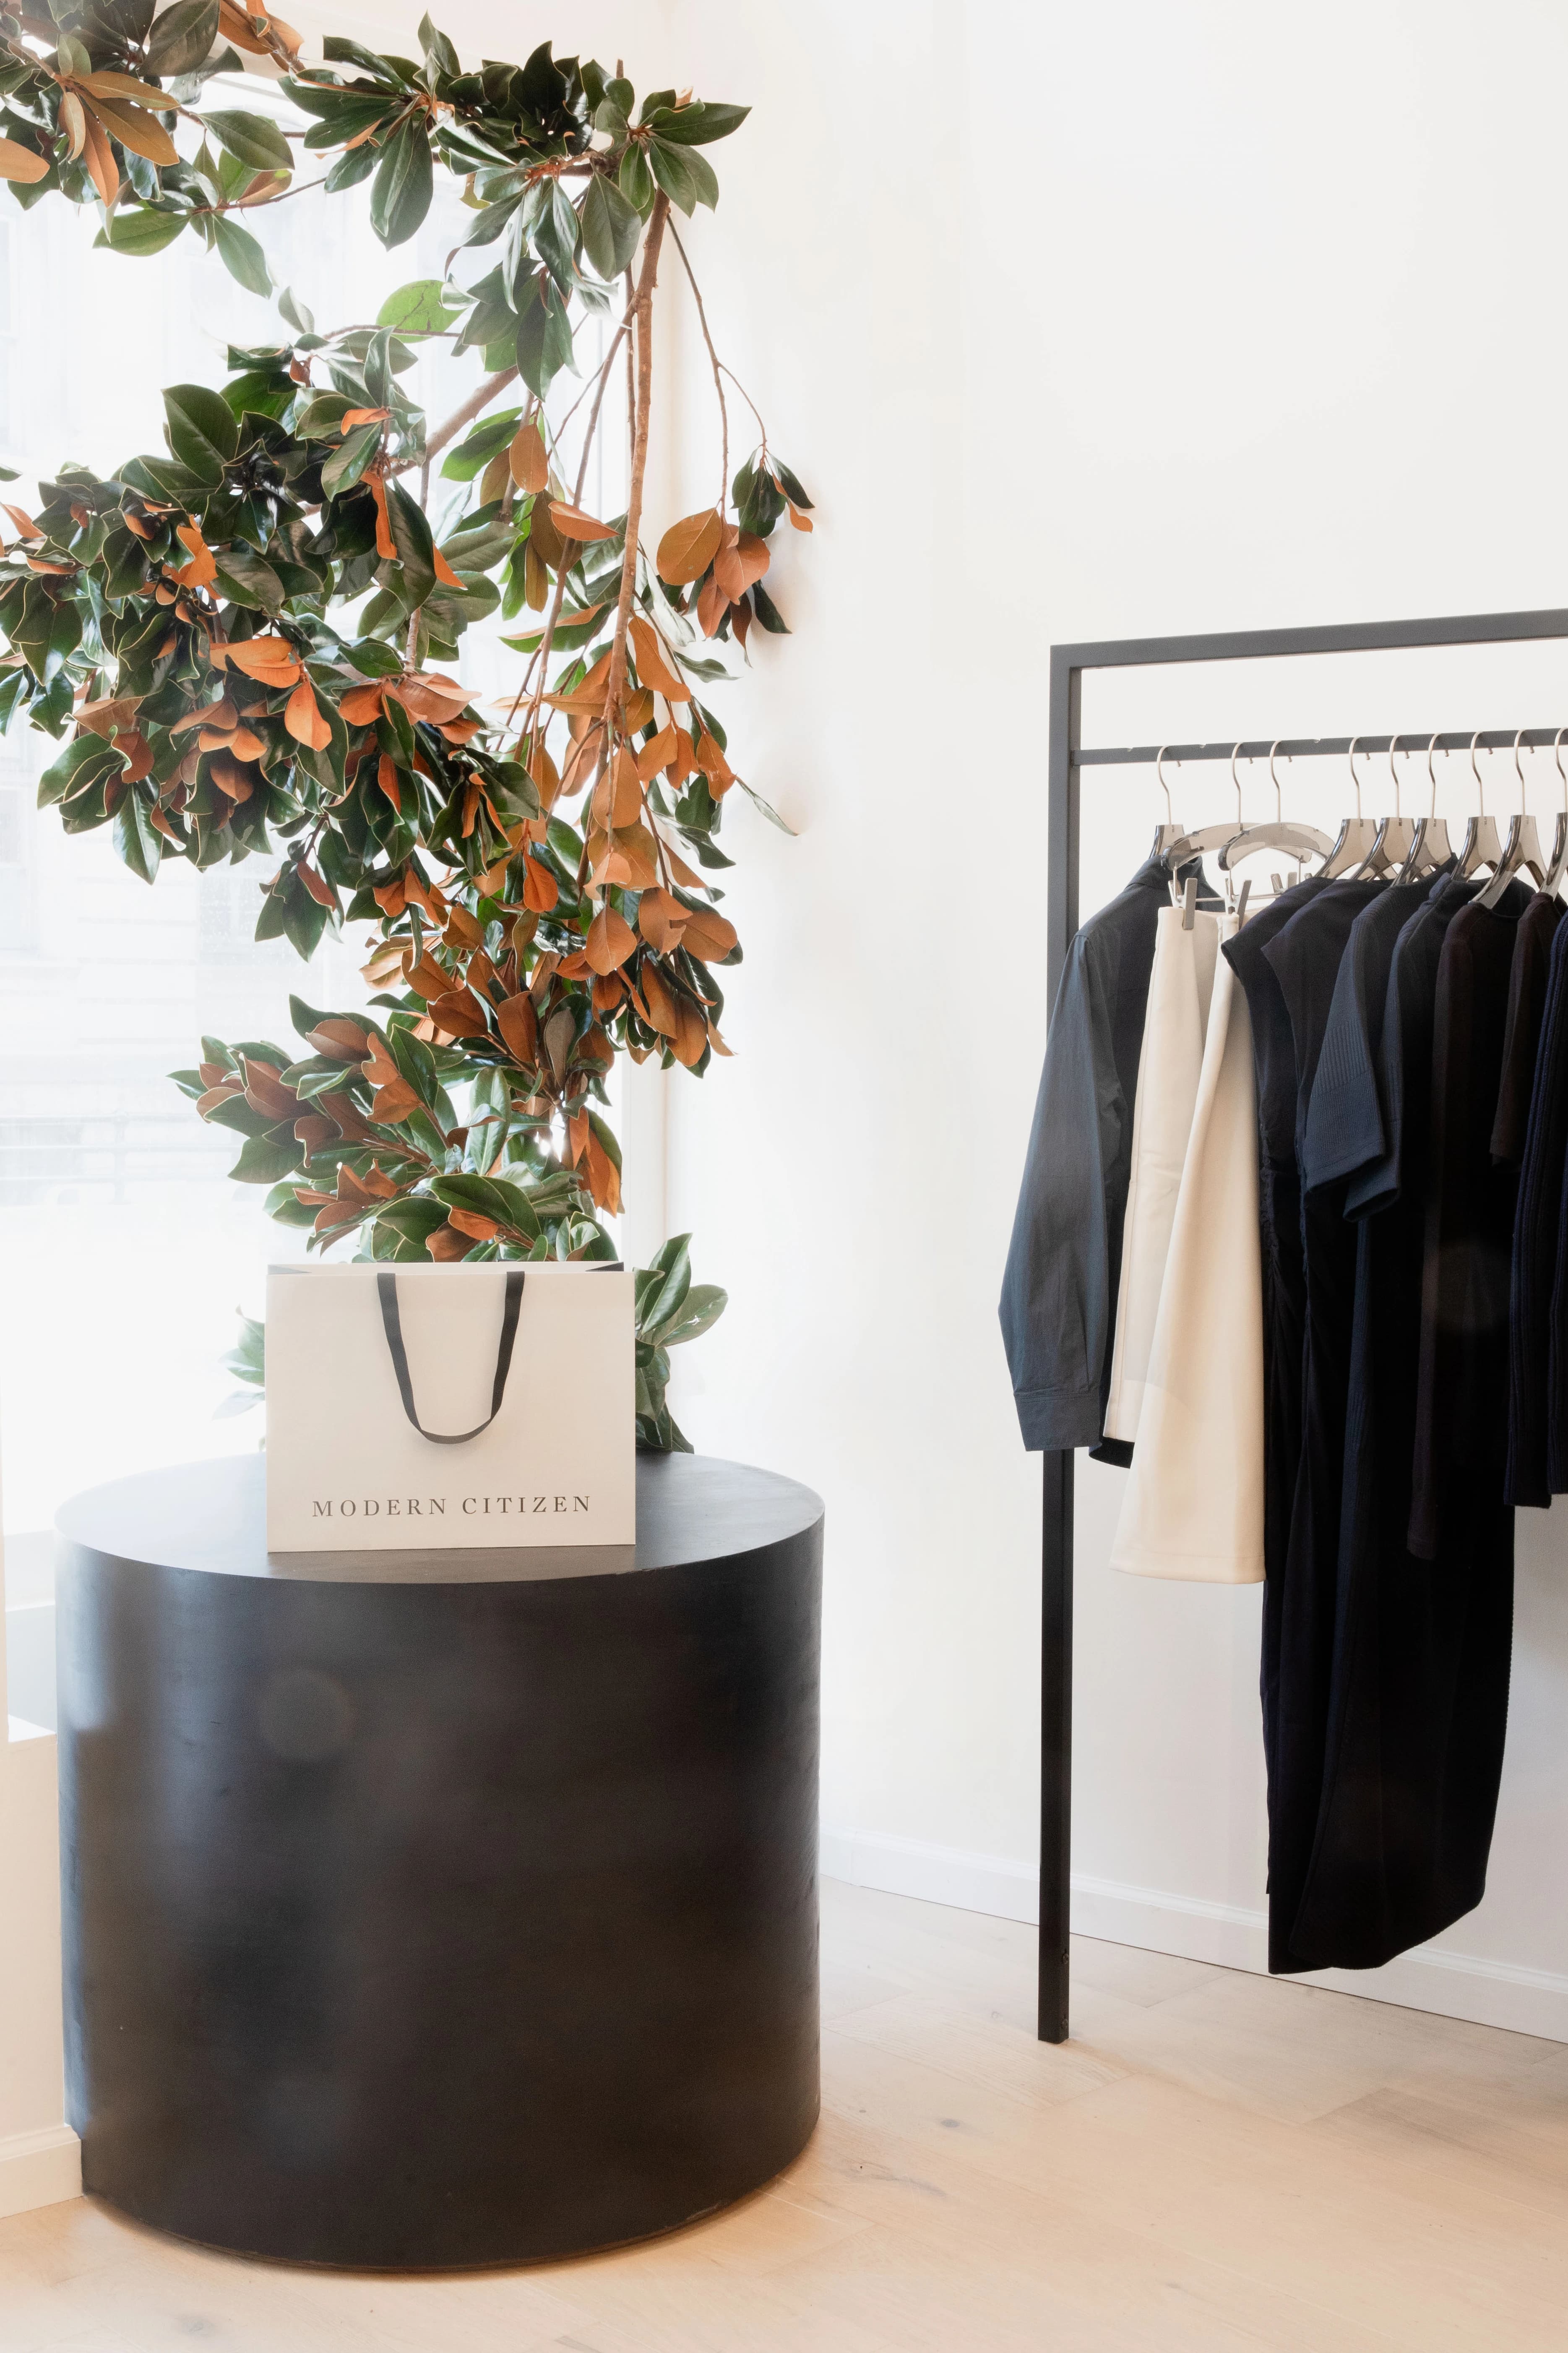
(1064, 729)
(1056, 1747)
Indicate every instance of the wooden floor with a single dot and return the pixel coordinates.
(1215, 2161)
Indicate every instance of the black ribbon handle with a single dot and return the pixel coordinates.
(391, 1323)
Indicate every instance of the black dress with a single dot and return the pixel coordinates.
(1525, 1010)
(1284, 1271)
(1305, 958)
(1531, 1327)
(1414, 1730)
(1461, 1406)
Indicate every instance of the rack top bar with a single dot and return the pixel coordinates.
(1331, 638)
(1310, 747)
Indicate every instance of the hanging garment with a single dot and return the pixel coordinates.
(1461, 1408)
(1284, 1268)
(1535, 932)
(1305, 958)
(1416, 1700)
(1181, 989)
(1193, 1505)
(1532, 1388)
(1064, 1263)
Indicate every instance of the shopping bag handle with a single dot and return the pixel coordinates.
(391, 1323)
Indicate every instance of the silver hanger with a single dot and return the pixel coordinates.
(1396, 834)
(1481, 845)
(1522, 848)
(1554, 872)
(1304, 840)
(1431, 848)
(1356, 851)
(1170, 832)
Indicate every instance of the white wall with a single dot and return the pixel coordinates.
(1076, 323)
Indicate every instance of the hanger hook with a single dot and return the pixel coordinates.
(1519, 772)
(1481, 789)
(1236, 780)
(1557, 751)
(1278, 797)
(1393, 772)
(1431, 775)
(1160, 778)
(1354, 779)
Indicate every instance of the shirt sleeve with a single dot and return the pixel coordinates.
(1344, 1124)
(1056, 1306)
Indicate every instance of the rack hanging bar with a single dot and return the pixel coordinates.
(1319, 747)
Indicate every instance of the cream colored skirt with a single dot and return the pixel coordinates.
(1181, 986)
(1194, 1501)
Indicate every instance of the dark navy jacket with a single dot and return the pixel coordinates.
(1064, 1264)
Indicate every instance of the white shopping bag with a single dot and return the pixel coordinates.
(420, 1407)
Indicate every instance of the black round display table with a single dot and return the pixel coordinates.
(436, 1909)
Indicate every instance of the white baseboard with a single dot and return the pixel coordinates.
(1435, 1977)
(40, 2168)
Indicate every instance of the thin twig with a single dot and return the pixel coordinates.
(718, 381)
(751, 404)
(437, 441)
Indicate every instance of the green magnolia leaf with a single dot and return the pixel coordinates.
(81, 765)
(264, 1158)
(673, 168)
(489, 1197)
(295, 311)
(248, 1362)
(699, 125)
(241, 254)
(611, 228)
(136, 838)
(486, 441)
(636, 180)
(255, 139)
(356, 164)
(543, 338)
(345, 466)
(421, 308)
(73, 56)
(202, 429)
(338, 50)
(400, 197)
(411, 535)
(247, 578)
(674, 1260)
(138, 230)
(439, 54)
(700, 1311)
(181, 39)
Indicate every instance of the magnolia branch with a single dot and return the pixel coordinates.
(615, 689)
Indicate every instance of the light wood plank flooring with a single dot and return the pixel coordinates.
(1214, 2162)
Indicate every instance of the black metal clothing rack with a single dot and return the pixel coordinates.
(1069, 758)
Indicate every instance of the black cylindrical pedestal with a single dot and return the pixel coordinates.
(439, 1909)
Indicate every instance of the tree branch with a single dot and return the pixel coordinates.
(615, 689)
(453, 425)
